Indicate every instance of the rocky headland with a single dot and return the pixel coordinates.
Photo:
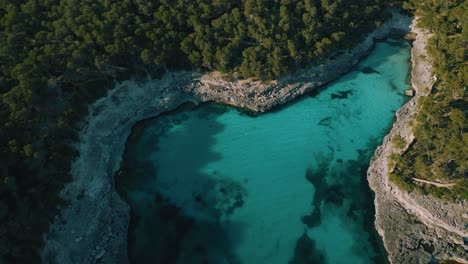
(415, 228)
(92, 228)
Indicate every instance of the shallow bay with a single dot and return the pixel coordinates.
(214, 185)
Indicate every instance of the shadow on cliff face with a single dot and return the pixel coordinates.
(162, 229)
(341, 187)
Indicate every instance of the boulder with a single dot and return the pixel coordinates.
(410, 92)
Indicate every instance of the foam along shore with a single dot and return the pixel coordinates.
(93, 226)
(415, 228)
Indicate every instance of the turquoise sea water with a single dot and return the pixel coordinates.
(213, 185)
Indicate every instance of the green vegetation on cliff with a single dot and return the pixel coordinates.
(56, 57)
(440, 150)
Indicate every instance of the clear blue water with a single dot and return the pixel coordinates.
(213, 185)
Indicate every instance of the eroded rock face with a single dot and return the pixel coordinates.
(93, 227)
(415, 228)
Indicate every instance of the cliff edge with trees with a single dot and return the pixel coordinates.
(439, 152)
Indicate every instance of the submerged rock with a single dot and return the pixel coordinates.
(369, 70)
(229, 196)
(306, 252)
(313, 219)
(341, 94)
(325, 121)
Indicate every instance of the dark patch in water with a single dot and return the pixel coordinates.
(200, 249)
(313, 219)
(199, 199)
(334, 195)
(369, 70)
(168, 211)
(207, 243)
(313, 93)
(167, 228)
(158, 198)
(393, 86)
(345, 180)
(361, 152)
(339, 160)
(325, 121)
(316, 177)
(353, 212)
(341, 94)
(328, 193)
(229, 195)
(209, 112)
(306, 252)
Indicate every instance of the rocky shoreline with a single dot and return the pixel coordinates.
(92, 228)
(415, 228)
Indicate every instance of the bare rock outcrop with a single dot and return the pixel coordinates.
(415, 228)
